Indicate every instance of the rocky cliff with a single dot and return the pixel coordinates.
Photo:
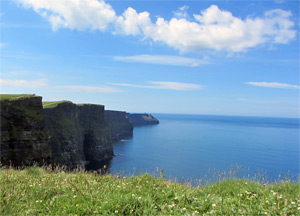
(78, 133)
(119, 124)
(23, 137)
(142, 119)
(62, 132)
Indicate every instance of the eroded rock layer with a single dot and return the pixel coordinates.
(119, 125)
(23, 137)
(79, 134)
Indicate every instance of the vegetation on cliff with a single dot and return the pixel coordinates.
(52, 104)
(15, 96)
(37, 191)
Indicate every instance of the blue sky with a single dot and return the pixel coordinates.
(193, 57)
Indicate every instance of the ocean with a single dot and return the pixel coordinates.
(203, 146)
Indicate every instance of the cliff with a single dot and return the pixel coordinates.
(142, 119)
(23, 137)
(119, 125)
(79, 133)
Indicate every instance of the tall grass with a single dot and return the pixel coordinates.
(48, 191)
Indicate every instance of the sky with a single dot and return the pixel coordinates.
(187, 57)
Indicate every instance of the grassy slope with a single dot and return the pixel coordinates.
(47, 192)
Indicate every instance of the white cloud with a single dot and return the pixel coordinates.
(73, 14)
(273, 85)
(164, 85)
(212, 29)
(89, 89)
(181, 12)
(24, 83)
(163, 59)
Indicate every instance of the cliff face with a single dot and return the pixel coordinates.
(23, 138)
(78, 134)
(119, 124)
(142, 119)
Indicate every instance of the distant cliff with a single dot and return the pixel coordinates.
(119, 124)
(23, 137)
(142, 119)
(78, 133)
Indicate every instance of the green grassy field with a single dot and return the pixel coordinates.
(38, 191)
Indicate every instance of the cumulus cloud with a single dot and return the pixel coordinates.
(163, 59)
(89, 89)
(23, 83)
(273, 85)
(164, 85)
(73, 14)
(211, 29)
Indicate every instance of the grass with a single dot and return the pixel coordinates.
(14, 96)
(47, 191)
(52, 104)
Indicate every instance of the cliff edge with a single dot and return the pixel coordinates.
(78, 133)
(142, 119)
(119, 124)
(23, 137)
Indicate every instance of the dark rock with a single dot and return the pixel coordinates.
(23, 137)
(142, 119)
(119, 125)
(79, 134)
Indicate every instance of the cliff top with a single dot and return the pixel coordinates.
(52, 104)
(15, 96)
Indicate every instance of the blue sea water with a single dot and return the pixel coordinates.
(194, 146)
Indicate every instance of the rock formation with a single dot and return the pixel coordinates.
(142, 119)
(78, 134)
(23, 137)
(119, 125)
(62, 132)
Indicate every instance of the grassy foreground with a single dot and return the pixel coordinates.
(38, 191)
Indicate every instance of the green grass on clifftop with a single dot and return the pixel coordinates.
(52, 104)
(14, 96)
(37, 191)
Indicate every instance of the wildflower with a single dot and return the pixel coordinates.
(184, 209)
(116, 211)
(132, 195)
(131, 210)
(298, 208)
(139, 198)
(214, 205)
(293, 203)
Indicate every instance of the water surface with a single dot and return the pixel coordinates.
(191, 146)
